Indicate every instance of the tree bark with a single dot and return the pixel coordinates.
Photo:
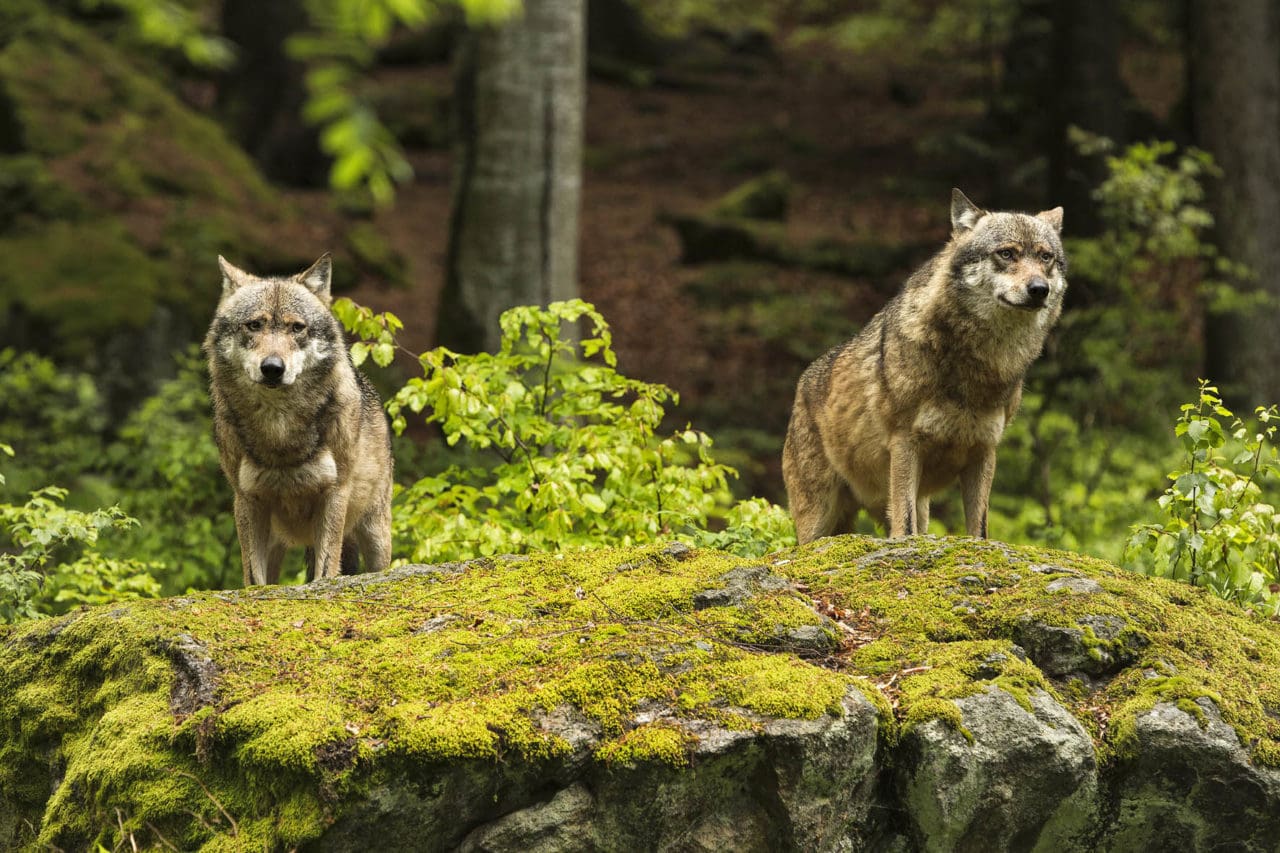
(514, 225)
(1236, 113)
(261, 97)
(1091, 96)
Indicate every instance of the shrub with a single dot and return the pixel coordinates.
(1216, 530)
(574, 455)
(164, 467)
(48, 558)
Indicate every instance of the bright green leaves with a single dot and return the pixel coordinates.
(175, 26)
(1217, 531)
(377, 332)
(338, 48)
(574, 454)
(42, 535)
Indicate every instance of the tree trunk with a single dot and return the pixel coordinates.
(1236, 105)
(1091, 96)
(514, 225)
(261, 97)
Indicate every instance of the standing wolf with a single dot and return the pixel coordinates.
(301, 434)
(923, 393)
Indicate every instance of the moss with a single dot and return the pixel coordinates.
(765, 197)
(55, 271)
(660, 742)
(320, 687)
(935, 627)
(115, 193)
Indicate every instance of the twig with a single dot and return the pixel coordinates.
(235, 827)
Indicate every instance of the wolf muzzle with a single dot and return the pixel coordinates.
(1037, 291)
(272, 368)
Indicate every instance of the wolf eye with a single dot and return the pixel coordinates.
(1004, 254)
(254, 325)
(1046, 256)
(297, 327)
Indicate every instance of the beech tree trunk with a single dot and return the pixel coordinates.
(1236, 105)
(514, 225)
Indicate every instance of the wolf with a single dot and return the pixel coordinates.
(921, 396)
(302, 437)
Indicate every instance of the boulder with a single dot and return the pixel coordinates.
(649, 698)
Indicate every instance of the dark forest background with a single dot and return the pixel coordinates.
(735, 186)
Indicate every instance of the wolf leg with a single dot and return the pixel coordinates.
(275, 559)
(253, 529)
(373, 535)
(328, 536)
(904, 486)
(922, 514)
(350, 560)
(820, 501)
(975, 488)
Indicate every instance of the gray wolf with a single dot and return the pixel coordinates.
(301, 435)
(921, 396)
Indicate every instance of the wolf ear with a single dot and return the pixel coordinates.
(964, 213)
(318, 276)
(1053, 217)
(233, 278)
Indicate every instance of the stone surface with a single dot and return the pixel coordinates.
(654, 698)
(1191, 786)
(1027, 779)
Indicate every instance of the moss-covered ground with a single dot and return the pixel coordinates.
(308, 690)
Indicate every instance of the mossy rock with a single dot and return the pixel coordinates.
(116, 194)
(614, 699)
(766, 197)
(713, 238)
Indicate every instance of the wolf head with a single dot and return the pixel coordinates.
(276, 329)
(1008, 261)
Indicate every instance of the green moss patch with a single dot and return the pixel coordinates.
(115, 191)
(939, 619)
(316, 687)
(248, 718)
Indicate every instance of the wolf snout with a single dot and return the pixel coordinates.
(272, 368)
(1037, 291)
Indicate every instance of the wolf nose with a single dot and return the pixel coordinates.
(272, 368)
(1038, 290)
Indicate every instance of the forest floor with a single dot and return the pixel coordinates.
(867, 159)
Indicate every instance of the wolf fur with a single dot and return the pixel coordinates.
(301, 434)
(921, 396)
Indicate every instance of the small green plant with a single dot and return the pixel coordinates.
(576, 456)
(48, 559)
(1217, 530)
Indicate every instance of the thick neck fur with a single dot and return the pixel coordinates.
(983, 348)
(286, 426)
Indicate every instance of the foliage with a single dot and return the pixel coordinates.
(577, 458)
(55, 420)
(340, 46)
(48, 557)
(174, 26)
(1217, 531)
(161, 469)
(1082, 448)
(165, 467)
(907, 30)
